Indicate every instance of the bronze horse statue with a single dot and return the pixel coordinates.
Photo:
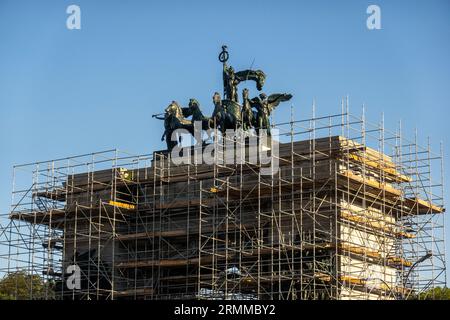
(174, 118)
(197, 115)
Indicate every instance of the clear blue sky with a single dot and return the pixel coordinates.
(65, 92)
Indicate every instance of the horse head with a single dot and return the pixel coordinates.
(171, 109)
(194, 104)
(217, 100)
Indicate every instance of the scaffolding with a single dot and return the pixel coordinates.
(351, 212)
